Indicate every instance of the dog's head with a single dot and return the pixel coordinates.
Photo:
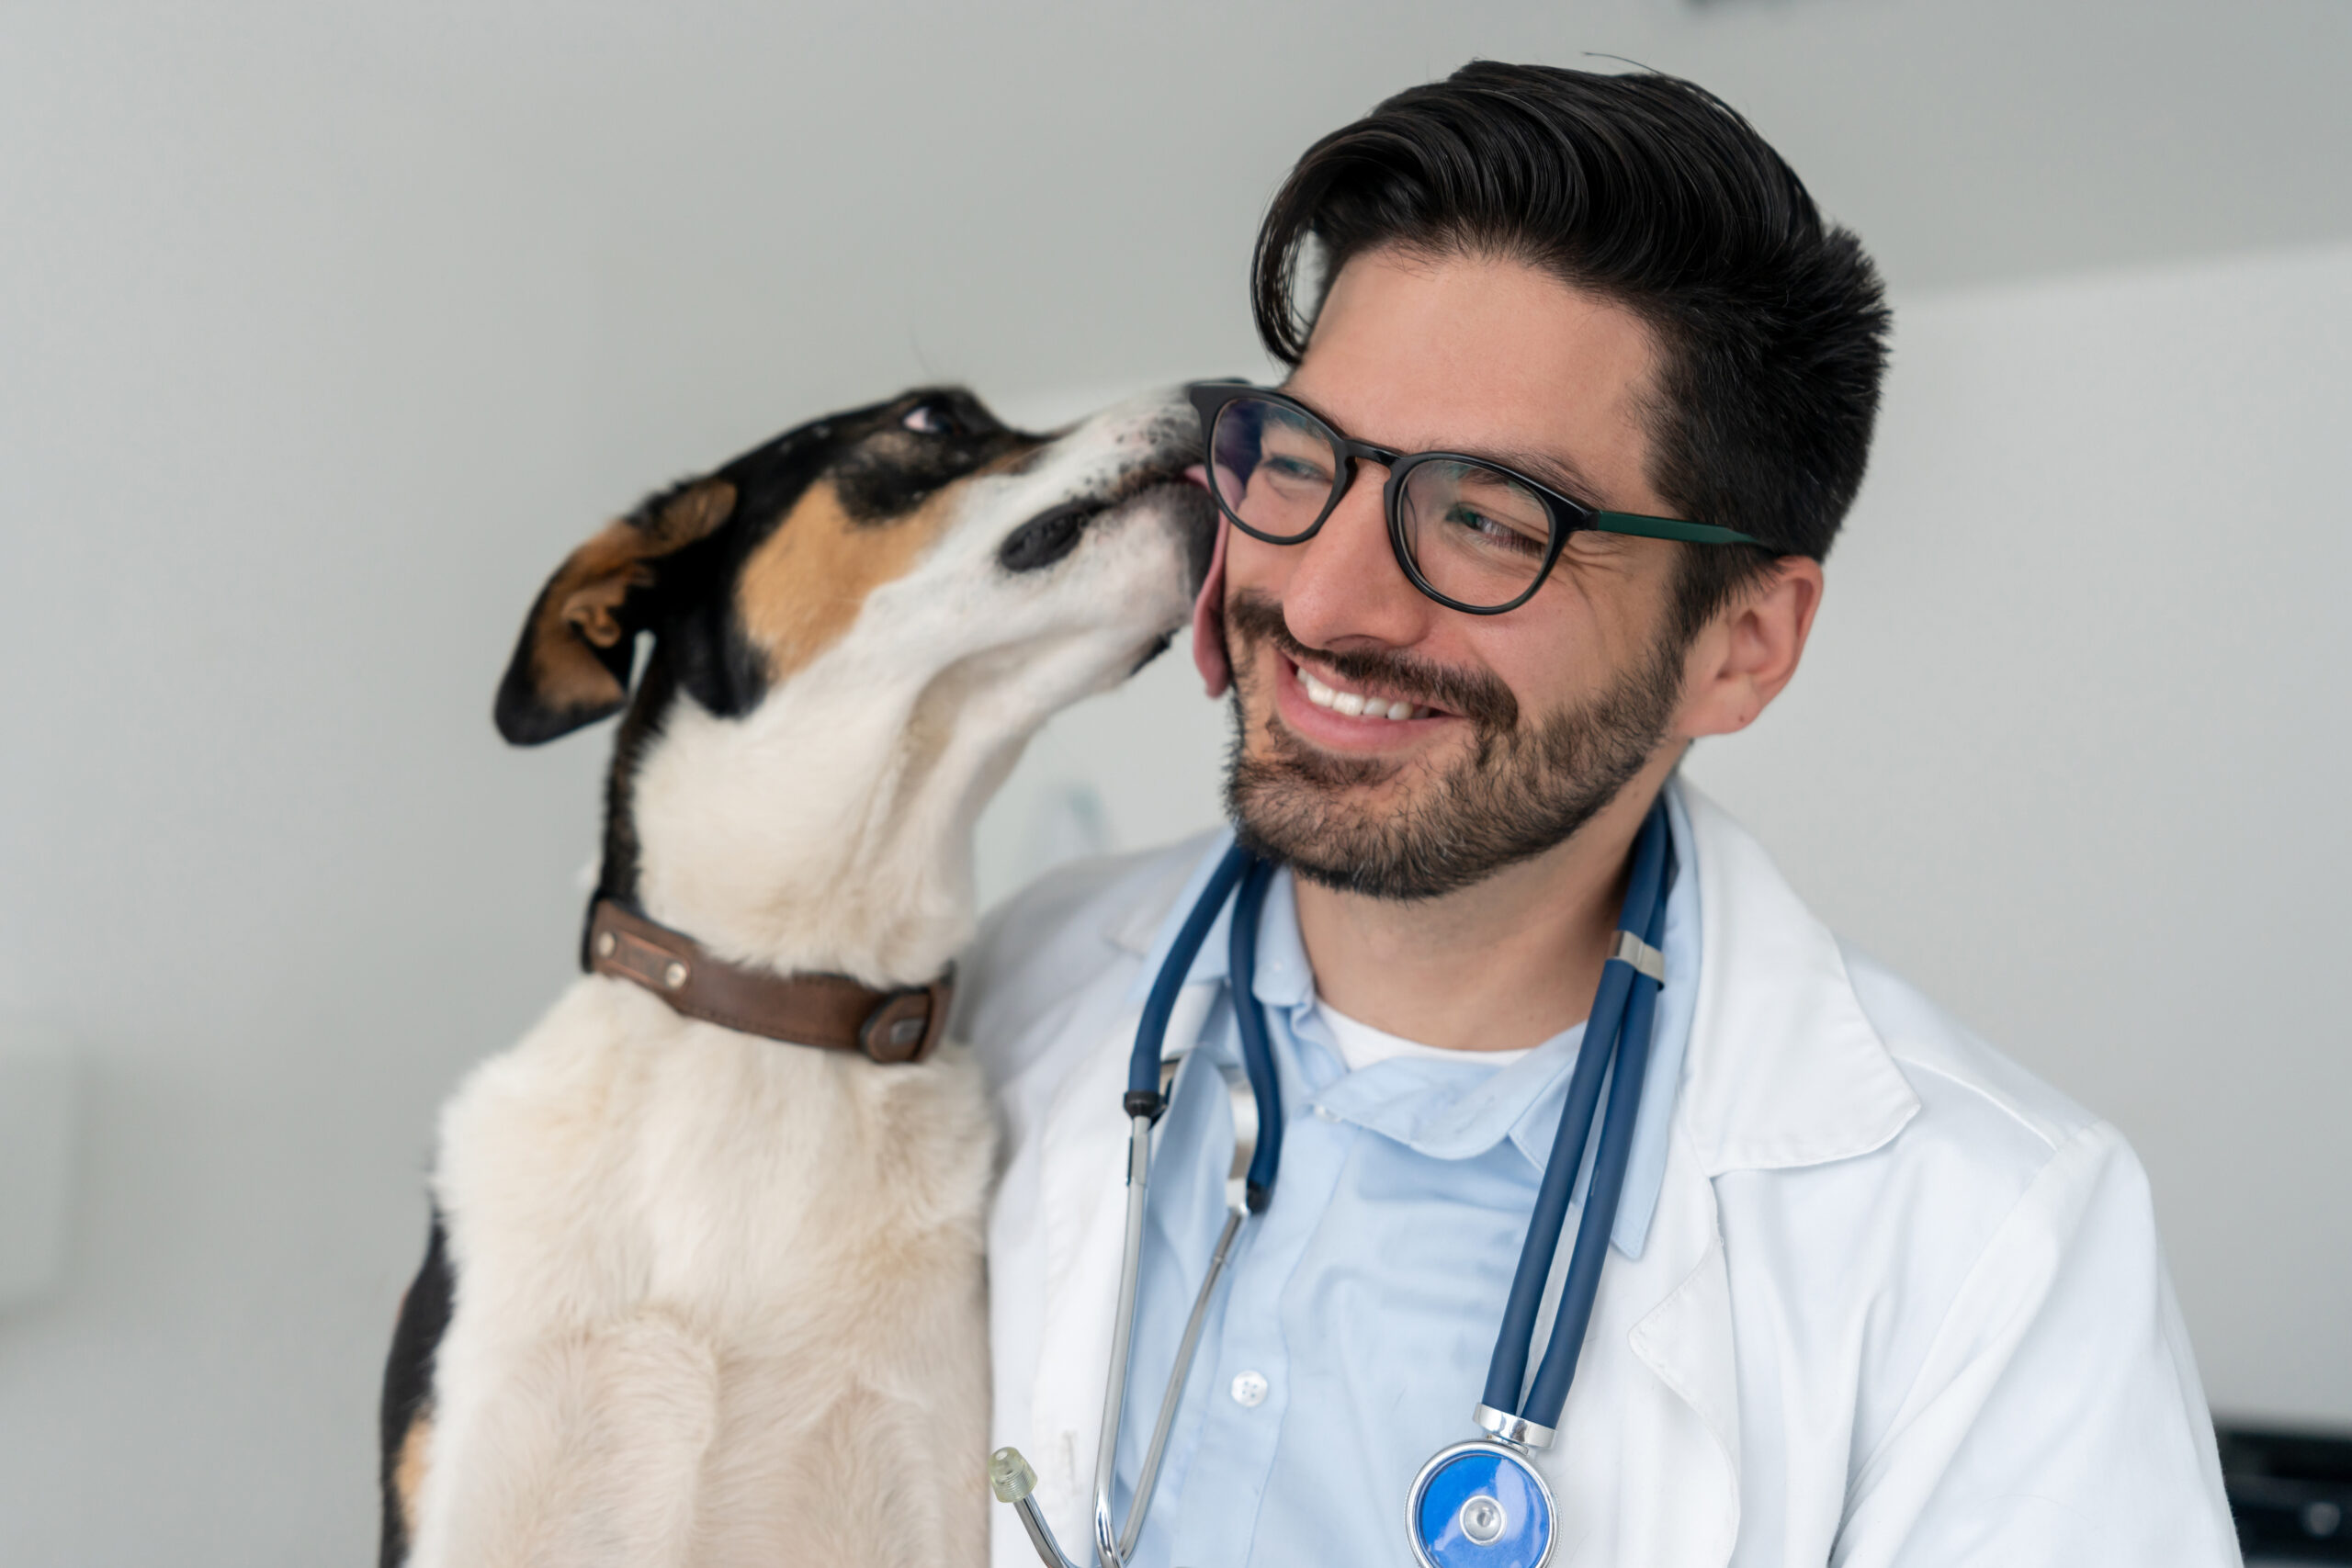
(853, 630)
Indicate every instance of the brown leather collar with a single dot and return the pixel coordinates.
(828, 1011)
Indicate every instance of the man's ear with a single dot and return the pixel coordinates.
(1736, 666)
(571, 665)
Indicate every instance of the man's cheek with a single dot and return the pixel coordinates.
(1255, 663)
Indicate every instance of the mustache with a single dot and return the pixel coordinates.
(1481, 698)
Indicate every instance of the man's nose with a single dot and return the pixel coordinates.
(1347, 587)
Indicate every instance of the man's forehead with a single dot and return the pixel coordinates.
(1490, 357)
(1554, 466)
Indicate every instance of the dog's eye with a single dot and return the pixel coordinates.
(935, 419)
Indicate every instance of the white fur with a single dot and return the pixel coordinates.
(718, 1300)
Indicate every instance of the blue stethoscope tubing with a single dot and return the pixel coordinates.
(1617, 1033)
(1240, 869)
(1623, 1017)
(1482, 1503)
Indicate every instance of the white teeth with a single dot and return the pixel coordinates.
(1355, 703)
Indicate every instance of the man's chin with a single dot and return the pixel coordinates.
(1417, 828)
(1341, 780)
(1341, 831)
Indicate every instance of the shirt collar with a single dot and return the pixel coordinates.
(1459, 1110)
(1441, 1110)
(1453, 1112)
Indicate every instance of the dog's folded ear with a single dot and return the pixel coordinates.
(571, 666)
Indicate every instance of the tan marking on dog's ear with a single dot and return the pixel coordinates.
(595, 582)
(581, 597)
(806, 583)
(408, 1471)
(588, 590)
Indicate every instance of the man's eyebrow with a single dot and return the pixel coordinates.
(1555, 469)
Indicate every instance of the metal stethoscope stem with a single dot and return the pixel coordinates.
(1010, 1475)
(1147, 1481)
(1123, 1331)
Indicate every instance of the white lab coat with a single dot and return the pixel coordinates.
(1901, 1304)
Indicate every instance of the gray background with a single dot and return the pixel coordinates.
(324, 331)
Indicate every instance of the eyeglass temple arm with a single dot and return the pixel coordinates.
(1669, 528)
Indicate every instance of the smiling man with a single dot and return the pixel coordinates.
(1583, 389)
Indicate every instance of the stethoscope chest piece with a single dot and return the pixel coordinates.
(1480, 1505)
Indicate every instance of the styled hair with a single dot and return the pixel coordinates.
(1651, 192)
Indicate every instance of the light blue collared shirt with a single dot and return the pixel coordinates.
(1351, 1337)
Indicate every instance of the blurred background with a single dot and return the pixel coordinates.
(326, 331)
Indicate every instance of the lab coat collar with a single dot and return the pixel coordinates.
(1783, 1068)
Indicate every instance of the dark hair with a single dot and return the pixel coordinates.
(1653, 192)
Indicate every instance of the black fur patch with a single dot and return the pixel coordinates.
(888, 476)
(408, 1381)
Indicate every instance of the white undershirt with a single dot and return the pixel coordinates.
(1361, 1044)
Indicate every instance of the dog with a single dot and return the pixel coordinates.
(700, 1290)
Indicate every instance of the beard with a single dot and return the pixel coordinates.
(1525, 785)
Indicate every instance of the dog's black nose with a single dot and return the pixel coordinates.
(1048, 537)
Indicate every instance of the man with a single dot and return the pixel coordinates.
(1875, 1295)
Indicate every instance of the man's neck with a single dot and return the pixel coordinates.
(1499, 967)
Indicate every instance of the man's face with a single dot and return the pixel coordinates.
(1521, 725)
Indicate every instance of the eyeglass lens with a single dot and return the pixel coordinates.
(1477, 536)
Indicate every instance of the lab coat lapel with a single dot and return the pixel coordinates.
(1679, 1502)
(1783, 1069)
(1647, 1469)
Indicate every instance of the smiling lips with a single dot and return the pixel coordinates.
(1362, 705)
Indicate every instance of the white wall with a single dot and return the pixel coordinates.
(324, 331)
(2069, 748)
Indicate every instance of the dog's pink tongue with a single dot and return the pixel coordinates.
(1208, 609)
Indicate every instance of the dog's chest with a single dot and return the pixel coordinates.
(621, 1158)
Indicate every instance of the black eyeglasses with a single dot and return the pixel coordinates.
(1472, 534)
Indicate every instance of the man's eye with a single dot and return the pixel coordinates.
(1297, 469)
(933, 419)
(1492, 532)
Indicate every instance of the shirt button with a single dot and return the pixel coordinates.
(1249, 1390)
(1324, 1114)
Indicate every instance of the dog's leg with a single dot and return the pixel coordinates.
(916, 1460)
(952, 1443)
(406, 1415)
(873, 1479)
(583, 1450)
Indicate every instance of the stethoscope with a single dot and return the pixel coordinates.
(1479, 1503)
